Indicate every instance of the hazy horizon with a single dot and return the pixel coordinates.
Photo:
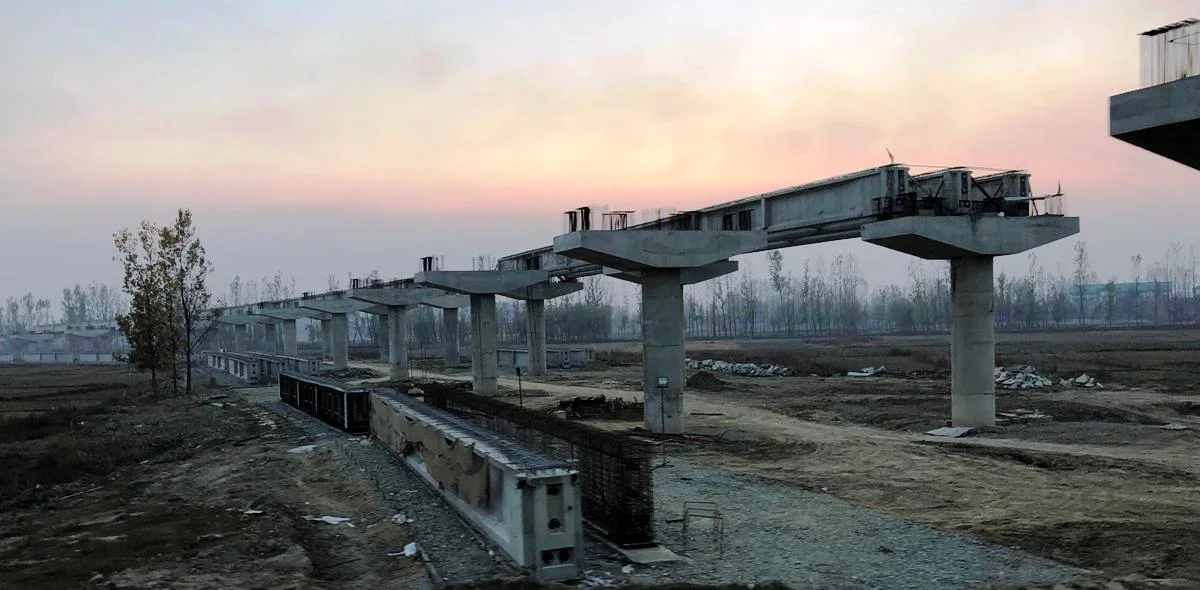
(332, 138)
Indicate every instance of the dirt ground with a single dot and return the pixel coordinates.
(135, 491)
(1100, 484)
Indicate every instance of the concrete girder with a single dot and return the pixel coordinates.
(544, 291)
(944, 238)
(396, 297)
(1163, 119)
(687, 276)
(291, 313)
(448, 302)
(638, 250)
(335, 306)
(239, 320)
(481, 282)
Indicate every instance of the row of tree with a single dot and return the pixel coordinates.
(79, 305)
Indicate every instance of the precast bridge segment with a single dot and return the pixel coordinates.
(947, 214)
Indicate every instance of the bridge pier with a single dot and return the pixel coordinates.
(326, 338)
(271, 338)
(336, 310)
(972, 342)
(970, 243)
(290, 347)
(450, 336)
(663, 261)
(535, 297)
(482, 286)
(392, 304)
(240, 338)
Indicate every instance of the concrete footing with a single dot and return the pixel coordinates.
(972, 342)
(662, 349)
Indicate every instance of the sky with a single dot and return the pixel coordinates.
(319, 138)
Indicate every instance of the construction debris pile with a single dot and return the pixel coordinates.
(349, 373)
(739, 369)
(1021, 377)
(879, 371)
(1027, 377)
(601, 407)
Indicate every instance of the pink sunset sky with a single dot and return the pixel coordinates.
(333, 137)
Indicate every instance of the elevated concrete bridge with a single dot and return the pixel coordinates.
(948, 214)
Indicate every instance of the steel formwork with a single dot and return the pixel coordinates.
(337, 404)
(615, 470)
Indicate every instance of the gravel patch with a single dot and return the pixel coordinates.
(812, 540)
(455, 550)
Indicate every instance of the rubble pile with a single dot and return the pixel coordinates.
(739, 369)
(349, 373)
(1020, 377)
(1084, 380)
(1027, 377)
(706, 381)
(600, 407)
(879, 371)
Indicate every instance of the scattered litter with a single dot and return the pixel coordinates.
(334, 520)
(416, 391)
(1084, 380)
(401, 518)
(739, 369)
(825, 489)
(252, 512)
(627, 569)
(951, 431)
(611, 384)
(303, 449)
(1174, 426)
(217, 405)
(869, 372)
(1023, 415)
(410, 549)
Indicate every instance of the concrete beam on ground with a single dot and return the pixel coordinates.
(481, 282)
(1163, 119)
(639, 250)
(947, 237)
(687, 276)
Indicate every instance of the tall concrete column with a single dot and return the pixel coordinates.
(397, 337)
(289, 338)
(383, 334)
(240, 338)
(662, 349)
(450, 335)
(972, 342)
(483, 343)
(326, 338)
(535, 319)
(271, 343)
(339, 340)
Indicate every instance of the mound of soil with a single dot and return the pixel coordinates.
(349, 373)
(705, 381)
